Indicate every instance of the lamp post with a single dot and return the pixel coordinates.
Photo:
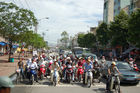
(36, 26)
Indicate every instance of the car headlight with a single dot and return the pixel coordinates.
(138, 75)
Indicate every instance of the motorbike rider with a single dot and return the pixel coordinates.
(33, 66)
(68, 62)
(131, 62)
(21, 67)
(55, 65)
(87, 66)
(112, 70)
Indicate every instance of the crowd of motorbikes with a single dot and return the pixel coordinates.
(71, 72)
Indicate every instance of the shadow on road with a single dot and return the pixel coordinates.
(99, 90)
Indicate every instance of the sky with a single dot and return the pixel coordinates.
(73, 16)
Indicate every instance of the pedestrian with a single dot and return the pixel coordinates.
(5, 84)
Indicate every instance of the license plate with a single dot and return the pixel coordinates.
(130, 79)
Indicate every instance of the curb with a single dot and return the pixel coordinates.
(12, 76)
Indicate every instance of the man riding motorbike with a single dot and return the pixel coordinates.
(87, 66)
(112, 70)
(33, 68)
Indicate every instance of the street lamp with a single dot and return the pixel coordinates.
(36, 26)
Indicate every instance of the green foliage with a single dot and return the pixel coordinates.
(119, 29)
(90, 40)
(81, 40)
(134, 28)
(102, 34)
(65, 38)
(15, 20)
(87, 40)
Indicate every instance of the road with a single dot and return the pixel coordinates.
(46, 87)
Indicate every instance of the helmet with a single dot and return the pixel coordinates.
(113, 63)
(6, 82)
(80, 57)
(131, 59)
(68, 58)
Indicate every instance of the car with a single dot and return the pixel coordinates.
(128, 74)
(90, 55)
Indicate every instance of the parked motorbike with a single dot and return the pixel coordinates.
(42, 71)
(80, 73)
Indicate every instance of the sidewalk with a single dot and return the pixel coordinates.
(8, 68)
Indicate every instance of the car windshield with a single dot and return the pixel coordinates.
(123, 66)
(78, 52)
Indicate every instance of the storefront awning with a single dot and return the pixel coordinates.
(2, 43)
(15, 46)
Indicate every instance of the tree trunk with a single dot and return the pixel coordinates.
(10, 52)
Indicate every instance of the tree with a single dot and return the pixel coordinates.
(90, 40)
(65, 38)
(14, 20)
(86, 40)
(81, 40)
(134, 28)
(119, 29)
(102, 34)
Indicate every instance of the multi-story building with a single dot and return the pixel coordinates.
(108, 11)
(134, 4)
(119, 5)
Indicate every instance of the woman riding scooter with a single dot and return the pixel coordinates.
(55, 67)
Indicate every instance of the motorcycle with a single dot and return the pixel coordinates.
(18, 77)
(97, 74)
(42, 71)
(114, 84)
(32, 76)
(80, 73)
(48, 71)
(88, 78)
(69, 72)
(55, 77)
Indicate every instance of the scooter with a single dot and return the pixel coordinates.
(42, 71)
(55, 77)
(33, 73)
(88, 78)
(114, 84)
(80, 73)
(97, 74)
(18, 77)
(69, 72)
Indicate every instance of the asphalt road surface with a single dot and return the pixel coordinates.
(46, 87)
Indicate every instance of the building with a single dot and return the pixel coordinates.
(126, 9)
(108, 11)
(119, 5)
(134, 4)
(93, 30)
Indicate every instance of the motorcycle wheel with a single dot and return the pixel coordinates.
(117, 88)
(54, 81)
(17, 79)
(80, 78)
(32, 80)
(42, 76)
(88, 82)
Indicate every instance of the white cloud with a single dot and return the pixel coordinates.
(72, 16)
